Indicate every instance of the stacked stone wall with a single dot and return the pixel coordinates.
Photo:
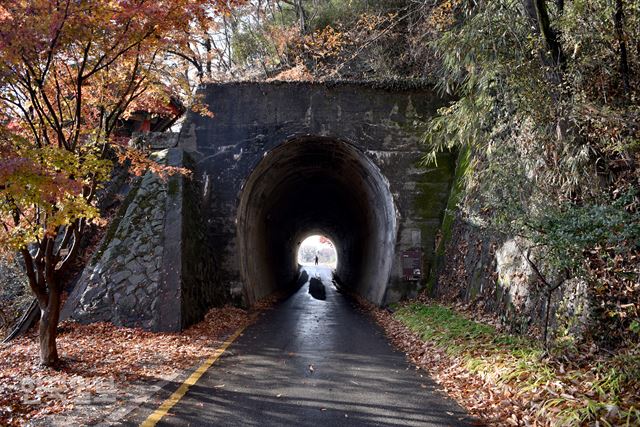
(155, 268)
(121, 283)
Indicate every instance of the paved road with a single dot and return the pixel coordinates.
(314, 360)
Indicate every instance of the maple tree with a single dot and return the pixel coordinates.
(69, 73)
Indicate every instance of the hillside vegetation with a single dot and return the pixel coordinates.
(546, 102)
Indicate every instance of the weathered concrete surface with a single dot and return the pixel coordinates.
(279, 161)
(313, 362)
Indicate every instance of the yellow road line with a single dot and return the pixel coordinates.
(157, 415)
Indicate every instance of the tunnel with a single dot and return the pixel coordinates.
(316, 185)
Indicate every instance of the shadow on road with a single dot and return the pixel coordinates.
(299, 282)
(317, 289)
(308, 363)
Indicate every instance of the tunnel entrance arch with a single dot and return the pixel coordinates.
(374, 128)
(316, 183)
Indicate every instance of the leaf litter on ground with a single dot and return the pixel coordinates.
(99, 361)
(506, 379)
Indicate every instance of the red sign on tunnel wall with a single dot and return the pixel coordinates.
(412, 264)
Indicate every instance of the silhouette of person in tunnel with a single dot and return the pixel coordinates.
(316, 259)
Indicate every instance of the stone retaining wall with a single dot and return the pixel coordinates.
(121, 283)
(136, 278)
(492, 273)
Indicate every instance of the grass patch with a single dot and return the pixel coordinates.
(460, 335)
(568, 391)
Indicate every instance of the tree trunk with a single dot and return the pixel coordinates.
(207, 46)
(45, 282)
(624, 61)
(49, 317)
(537, 12)
(302, 17)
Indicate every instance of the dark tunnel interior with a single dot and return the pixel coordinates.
(316, 185)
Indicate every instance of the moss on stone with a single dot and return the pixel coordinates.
(457, 188)
(429, 200)
(173, 186)
(437, 175)
(115, 222)
(454, 198)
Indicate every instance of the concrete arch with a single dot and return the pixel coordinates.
(316, 184)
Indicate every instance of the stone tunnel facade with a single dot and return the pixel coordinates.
(275, 163)
(280, 161)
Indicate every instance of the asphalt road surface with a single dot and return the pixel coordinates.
(314, 360)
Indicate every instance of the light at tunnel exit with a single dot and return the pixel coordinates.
(317, 246)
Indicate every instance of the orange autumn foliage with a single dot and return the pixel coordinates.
(69, 73)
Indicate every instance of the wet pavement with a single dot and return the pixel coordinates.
(314, 360)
